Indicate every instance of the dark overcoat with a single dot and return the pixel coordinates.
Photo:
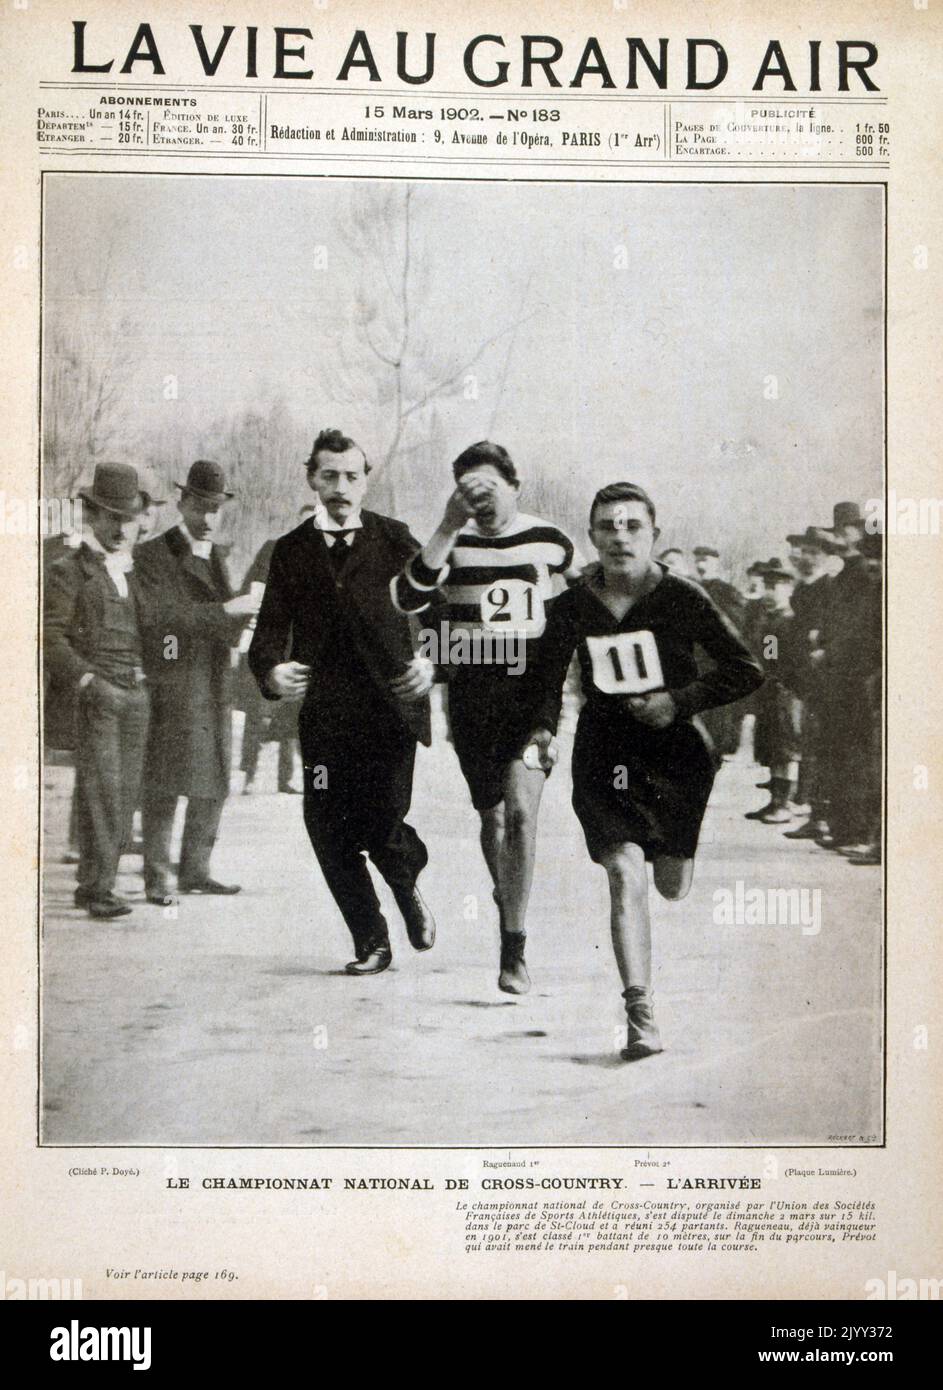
(73, 612)
(188, 641)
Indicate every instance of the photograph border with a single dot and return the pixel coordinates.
(716, 183)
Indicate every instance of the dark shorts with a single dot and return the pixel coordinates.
(484, 714)
(647, 787)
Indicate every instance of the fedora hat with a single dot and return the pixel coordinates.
(115, 488)
(207, 481)
(706, 550)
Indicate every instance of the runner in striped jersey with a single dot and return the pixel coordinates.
(489, 571)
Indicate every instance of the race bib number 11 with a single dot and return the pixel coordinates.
(626, 663)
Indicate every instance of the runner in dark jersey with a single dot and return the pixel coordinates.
(642, 769)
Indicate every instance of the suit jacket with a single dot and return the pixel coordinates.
(73, 611)
(302, 597)
(187, 643)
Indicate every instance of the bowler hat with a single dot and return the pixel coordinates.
(775, 569)
(818, 538)
(757, 567)
(115, 489)
(207, 481)
(706, 550)
(846, 514)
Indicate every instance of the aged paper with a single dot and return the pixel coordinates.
(698, 255)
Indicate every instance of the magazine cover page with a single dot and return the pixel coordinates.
(470, 507)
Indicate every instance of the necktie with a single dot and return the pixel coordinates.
(340, 549)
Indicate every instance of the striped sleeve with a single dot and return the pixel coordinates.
(565, 563)
(411, 590)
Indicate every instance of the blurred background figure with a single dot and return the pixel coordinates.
(777, 735)
(676, 561)
(851, 658)
(815, 549)
(93, 640)
(723, 723)
(872, 672)
(187, 658)
(265, 720)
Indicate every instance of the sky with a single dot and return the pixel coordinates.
(721, 344)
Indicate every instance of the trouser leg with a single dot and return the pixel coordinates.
(253, 731)
(393, 845)
(343, 865)
(100, 807)
(74, 811)
(157, 823)
(199, 837)
(286, 760)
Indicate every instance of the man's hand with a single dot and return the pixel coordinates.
(458, 509)
(415, 682)
(242, 606)
(657, 710)
(289, 678)
(541, 751)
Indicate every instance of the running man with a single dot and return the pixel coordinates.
(642, 770)
(492, 567)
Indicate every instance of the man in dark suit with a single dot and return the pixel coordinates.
(328, 631)
(93, 621)
(188, 664)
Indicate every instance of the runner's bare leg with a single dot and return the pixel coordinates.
(523, 788)
(630, 921)
(492, 833)
(673, 876)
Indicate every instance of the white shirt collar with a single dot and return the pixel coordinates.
(118, 563)
(201, 549)
(323, 521)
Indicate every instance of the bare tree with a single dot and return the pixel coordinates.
(82, 404)
(85, 368)
(385, 353)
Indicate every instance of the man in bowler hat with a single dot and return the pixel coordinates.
(187, 660)
(94, 659)
(328, 632)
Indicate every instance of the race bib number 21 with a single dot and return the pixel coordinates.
(513, 606)
(626, 663)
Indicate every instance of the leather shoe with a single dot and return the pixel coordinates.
(811, 830)
(210, 885)
(161, 899)
(376, 960)
(108, 907)
(513, 978)
(420, 923)
(85, 896)
(643, 1038)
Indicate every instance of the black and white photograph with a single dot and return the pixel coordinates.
(462, 662)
